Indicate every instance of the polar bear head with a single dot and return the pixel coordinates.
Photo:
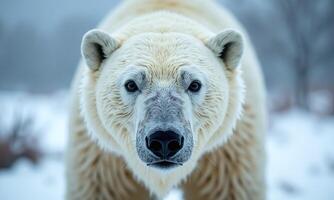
(161, 100)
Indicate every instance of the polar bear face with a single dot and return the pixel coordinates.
(161, 100)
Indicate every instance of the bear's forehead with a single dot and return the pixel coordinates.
(164, 51)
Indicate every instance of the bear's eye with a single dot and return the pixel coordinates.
(131, 86)
(195, 86)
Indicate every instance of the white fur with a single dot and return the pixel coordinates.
(164, 43)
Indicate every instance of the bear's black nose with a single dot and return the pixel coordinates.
(164, 144)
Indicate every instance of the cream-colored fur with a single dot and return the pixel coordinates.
(226, 163)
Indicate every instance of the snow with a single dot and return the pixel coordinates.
(49, 114)
(27, 181)
(300, 152)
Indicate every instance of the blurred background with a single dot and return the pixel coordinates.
(40, 49)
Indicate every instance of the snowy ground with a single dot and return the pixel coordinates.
(300, 152)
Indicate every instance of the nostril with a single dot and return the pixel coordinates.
(174, 145)
(155, 145)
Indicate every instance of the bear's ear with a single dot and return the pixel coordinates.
(228, 45)
(96, 46)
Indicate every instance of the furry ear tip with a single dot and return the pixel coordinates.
(232, 31)
(93, 32)
(96, 46)
(228, 45)
(232, 34)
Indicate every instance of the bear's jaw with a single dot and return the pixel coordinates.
(160, 181)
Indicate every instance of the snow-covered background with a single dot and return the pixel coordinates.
(300, 148)
(294, 42)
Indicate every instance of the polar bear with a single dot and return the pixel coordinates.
(169, 93)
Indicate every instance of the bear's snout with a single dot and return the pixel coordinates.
(164, 137)
(165, 145)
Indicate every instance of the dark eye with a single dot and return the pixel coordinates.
(194, 86)
(131, 86)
